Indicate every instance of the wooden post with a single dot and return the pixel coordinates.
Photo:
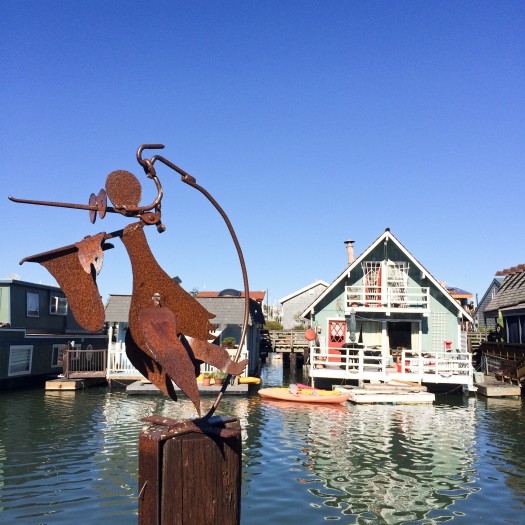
(293, 367)
(190, 472)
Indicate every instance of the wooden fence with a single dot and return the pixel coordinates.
(505, 360)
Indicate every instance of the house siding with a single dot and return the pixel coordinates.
(487, 323)
(229, 317)
(40, 333)
(298, 303)
(442, 310)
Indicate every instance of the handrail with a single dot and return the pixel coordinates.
(387, 297)
(355, 361)
(84, 361)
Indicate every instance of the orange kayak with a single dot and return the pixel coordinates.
(304, 395)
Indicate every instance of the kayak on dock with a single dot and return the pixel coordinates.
(304, 395)
(249, 380)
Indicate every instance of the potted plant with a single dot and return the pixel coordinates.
(220, 376)
(206, 379)
(228, 342)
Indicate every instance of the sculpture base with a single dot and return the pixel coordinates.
(190, 470)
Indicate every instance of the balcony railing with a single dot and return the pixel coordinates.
(366, 364)
(383, 298)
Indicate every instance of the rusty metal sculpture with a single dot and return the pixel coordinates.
(169, 330)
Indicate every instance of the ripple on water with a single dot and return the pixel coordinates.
(75, 455)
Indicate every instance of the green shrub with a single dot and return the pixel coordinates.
(272, 325)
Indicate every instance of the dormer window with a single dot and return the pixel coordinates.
(58, 305)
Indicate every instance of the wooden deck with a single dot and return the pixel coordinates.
(492, 387)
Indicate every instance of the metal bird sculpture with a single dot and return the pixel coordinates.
(169, 330)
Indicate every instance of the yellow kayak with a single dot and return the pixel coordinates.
(249, 380)
(305, 395)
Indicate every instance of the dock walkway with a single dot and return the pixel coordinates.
(289, 341)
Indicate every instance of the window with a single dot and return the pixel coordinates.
(20, 358)
(33, 304)
(58, 305)
(513, 327)
(58, 355)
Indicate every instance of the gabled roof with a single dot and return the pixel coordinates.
(496, 283)
(387, 235)
(230, 310)
(302, 290)
(511, 295)
(227, 310)
(117, 308)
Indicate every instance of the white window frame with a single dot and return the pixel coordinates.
(57, 356)
(58, 305)
(33, 313)
(13, 350)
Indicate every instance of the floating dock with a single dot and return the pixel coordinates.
(370, 394)
(489, 386)
(72, 384)
(145, 387)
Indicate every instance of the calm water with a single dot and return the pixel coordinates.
(68, 458)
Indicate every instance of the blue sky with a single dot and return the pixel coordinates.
(309, 122)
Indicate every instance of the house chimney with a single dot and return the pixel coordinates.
(350, 251)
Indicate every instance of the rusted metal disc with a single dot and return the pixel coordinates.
(123, 189)
(92, 213)
(102, 203)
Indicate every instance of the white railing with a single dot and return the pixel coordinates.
(119, 364)
(441, 363)
(206, 368)
(385, 297)
(368, 363)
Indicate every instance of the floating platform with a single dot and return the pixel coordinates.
(385, 394)
(491, 387)
(73, 384)
(145, 387)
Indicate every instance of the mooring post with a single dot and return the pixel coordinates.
(190, 472)
(293, 367)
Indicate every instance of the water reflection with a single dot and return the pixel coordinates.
(384, 464)
(71, 457)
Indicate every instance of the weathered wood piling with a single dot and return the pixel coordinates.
(190, 472)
